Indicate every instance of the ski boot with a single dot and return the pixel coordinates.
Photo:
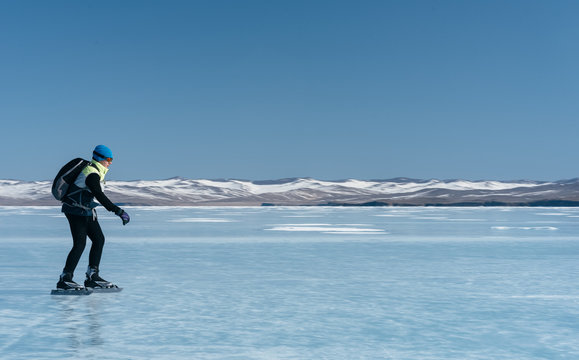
(95, 282)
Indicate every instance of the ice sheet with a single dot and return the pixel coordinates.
(358, 284)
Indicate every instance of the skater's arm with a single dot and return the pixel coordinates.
(94, 185)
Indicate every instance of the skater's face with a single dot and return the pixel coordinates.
(106, 162)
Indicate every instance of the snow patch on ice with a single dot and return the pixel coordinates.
(302, 216)
(393, 215)
(431, 218)
(549, 228)
(363, 232)
(327, 229)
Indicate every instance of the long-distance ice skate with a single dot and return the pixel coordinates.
(97, 284)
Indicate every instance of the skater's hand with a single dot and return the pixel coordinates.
(124, 216)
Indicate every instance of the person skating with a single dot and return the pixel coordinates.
(79, 207)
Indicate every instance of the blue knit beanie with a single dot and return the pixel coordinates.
(102, 152)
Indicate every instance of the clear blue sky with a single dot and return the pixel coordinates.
(272, 89)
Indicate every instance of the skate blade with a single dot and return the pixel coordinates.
(85, 291)
(107, 290)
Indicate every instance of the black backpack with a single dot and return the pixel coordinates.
(66, 177)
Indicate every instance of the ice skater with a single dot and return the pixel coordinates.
(79, 208)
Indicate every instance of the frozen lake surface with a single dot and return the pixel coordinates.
(298, 283)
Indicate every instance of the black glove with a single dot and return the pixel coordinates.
(124, 216)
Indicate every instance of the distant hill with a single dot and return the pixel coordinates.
(308, 191)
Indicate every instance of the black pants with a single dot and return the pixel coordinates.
(81, 227)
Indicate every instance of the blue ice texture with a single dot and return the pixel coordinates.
(298, 283)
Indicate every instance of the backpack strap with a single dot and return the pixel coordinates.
(66, 199)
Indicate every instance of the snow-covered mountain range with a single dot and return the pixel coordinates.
(308, 191)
